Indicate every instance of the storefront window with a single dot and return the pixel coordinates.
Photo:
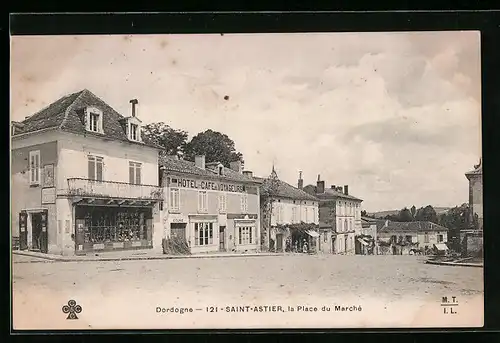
(203, 233)
(245, 234)
(109, 225)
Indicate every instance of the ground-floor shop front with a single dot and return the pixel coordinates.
(344, 243)
(290, 238)
(205, 233)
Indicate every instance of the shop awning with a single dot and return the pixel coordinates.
(312, 233)
(362, 241)
(441, 246)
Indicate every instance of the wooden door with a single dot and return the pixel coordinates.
(279, 242)
(23, 231)
(44, 241)
(222, 238)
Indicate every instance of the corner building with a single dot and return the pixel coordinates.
(84, 179)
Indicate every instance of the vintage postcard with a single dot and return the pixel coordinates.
(246, 181)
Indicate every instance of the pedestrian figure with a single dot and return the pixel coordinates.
(304, 247)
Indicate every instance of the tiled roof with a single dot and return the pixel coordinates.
(419, 226)
(288, 191)
(188, 167)
(66, 114)
(329, 193)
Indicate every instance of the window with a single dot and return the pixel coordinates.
(440, 238)
(221, 168)
(245, 235)
(202, 201)
(95, 167)
(340, 226)
(244, 203)
(160, 205)
(174, 199)
(134, 173)
(94, 122)
(325, 237)
(34, 167)
(294, 214)
(222, 203)
(203, 233)
(307, 215)
(346, 225)
(426, 237)
(134, 132)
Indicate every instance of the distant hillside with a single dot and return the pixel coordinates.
(382, 214)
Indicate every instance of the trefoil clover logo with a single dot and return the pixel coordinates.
(72, 309)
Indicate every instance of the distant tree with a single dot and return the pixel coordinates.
(174, 141)
(216, 146)
(405, 215)
(455, 219)
(427, 213)
(413, 211)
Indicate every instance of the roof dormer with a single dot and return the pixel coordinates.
(133, 126)
(93, 119)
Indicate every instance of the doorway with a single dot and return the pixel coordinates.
(279, 242)
(178, 230)
(33, 230)
(222, 238)
(333, 244)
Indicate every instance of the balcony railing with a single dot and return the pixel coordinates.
(110, 189)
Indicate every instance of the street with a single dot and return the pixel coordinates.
(392, 291)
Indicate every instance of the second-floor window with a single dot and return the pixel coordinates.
(34, 167)
(94, 122)
(134, 173)
(244, 203)
(440, 238)
(202, 201)
(426, 238)
(95, 166)
(222, 203)
(174, 199)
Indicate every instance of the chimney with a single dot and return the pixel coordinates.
(248, 173)
(199, 161)
(300, 183)
(333, 187)
(339, 189)
(320, 186)
(134, 103)
(236, 166)
(346, 190)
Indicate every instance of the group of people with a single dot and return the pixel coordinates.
(297, 246)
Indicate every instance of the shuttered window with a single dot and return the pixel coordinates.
(95, 166)
(135, 173)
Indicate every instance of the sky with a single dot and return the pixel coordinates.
(396, 116)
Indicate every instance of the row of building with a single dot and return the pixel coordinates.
(85, 179)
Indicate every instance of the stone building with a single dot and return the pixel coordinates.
(339, 213)
(210, 207)
(475, 178)
(292, 208)
(84, 179)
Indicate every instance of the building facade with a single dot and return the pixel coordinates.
(475, 178)
(339, 213)
(404, 238)
(291, 208)
(210, 207)
(84, 179)
(366, 237)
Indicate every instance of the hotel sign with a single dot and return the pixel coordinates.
(210, 185)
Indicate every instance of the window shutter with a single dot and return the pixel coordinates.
(99, 165)
(138, 174)
(91, 168)
(131, 173)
